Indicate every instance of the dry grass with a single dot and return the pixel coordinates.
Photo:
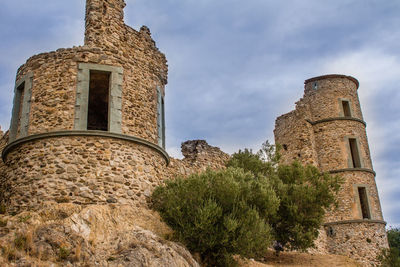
(295, 259)
(78, 251)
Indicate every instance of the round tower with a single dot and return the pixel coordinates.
(356, 228)
(327, 129)
(88, 122)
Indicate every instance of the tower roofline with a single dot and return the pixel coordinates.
(329, 76)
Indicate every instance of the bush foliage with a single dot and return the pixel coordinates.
(304, 192)
(219, 214)
(391, 257)
(241, 210)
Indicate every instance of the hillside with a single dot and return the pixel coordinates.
(109, 235)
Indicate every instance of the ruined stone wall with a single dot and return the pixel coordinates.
(55, 82)
(303, 149)
(58, 162)
(108, 42)
(198, 156)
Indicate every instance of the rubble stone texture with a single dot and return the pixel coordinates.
(49, 156)
(58, 160)
(317, 132)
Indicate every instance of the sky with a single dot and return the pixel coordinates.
(234, 66)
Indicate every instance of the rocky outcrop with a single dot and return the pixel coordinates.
(71, 235)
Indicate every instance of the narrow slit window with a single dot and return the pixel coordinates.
(346, 108)
(99, 94)
(163, 122)
(20, 97)
(355, 155)
(160, 118)
(362, 193)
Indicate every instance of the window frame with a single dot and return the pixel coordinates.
(160, 118)
(20, 115)
(341, 109)
(357, 187)
(349, 152)
(115, 96)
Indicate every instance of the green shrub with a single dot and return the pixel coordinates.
(394, 238)
(219, 214)
(391, 257)
(63, 253)
(304, 194)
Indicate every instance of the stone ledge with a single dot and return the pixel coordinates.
(355, 221)
(354, 169)
(337, 119)
(133, 139)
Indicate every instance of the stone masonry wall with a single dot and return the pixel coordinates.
(198, 156)
(317, 133)
(324, 100)
(349, 205)
(3, 168)
(303, 149)
(82, 170)
(108, 42)
(360, 241)
(95, 170)
(336, 154)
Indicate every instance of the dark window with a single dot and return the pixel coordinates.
(362, 193)
(355, 155)
(346, 108)
(99, 91)
(160, 118)
(163, 122)
(19, 100)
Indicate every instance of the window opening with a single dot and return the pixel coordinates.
(362, 193)
(160, 118)
(355, 155)
(20, 97)
(99, 92)
(315, 85)
(163, 121)
(346, 108)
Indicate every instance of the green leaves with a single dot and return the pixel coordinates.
(391, 257)
(217, 214)
(304, 194)
(241, 210)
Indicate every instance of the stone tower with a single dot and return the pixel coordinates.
(88, 122)
(327, 130)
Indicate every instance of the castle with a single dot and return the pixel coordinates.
(88, 127)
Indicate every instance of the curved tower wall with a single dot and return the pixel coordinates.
(327, 130)
(52, 155)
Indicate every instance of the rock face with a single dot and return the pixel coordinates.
(70, 235)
